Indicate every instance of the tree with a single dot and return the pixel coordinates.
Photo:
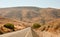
(10, 26)
(36, 25)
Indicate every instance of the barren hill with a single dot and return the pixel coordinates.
(31, 14)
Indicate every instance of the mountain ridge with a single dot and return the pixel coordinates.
(31, 14)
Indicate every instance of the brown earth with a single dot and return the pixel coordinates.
(17, 25)
(49, 18)
(31, 14)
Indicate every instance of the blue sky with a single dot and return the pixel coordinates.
(38, 3)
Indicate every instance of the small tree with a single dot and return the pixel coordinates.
(36, 25)
(9, 25)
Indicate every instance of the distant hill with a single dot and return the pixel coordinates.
(31, 14)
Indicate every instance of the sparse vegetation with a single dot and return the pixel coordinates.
(36, 25)
(9, 25)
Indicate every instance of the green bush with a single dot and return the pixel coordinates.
(9, 25)
(36, 25)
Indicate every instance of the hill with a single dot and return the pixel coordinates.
(30, 15)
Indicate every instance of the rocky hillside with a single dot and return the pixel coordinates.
(47, 17)
(31, 14)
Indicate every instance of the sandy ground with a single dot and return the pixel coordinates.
(29, 33)
(47, 34)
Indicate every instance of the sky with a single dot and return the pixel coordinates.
(36, 3)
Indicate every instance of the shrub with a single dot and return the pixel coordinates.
(36, 25)
(9, 25)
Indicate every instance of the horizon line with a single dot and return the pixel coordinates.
(29, 6)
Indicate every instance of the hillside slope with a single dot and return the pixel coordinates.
(17, 25)
(31, 14)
